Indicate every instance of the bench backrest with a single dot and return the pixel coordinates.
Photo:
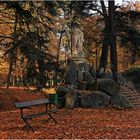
(31, 103)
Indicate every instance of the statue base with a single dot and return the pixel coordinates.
(78, 59)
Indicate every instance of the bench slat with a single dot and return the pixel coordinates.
(39, 114)
(31, 103)
(35, 115)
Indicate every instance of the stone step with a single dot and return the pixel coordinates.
(126, 92)
(136, 104)
(134, 101)
(126, 89)
(131, 94)
(137, 107)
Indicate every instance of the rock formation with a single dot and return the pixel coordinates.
(81, 87)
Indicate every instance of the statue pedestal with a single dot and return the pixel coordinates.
(78, 59)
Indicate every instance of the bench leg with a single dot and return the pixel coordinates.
(27, 125)
(50, 117)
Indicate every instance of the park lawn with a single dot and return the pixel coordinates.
(109, 123)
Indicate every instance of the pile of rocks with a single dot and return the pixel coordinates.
(82, 89)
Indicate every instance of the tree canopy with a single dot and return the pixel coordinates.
(39, 32)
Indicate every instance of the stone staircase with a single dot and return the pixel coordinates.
(131, 94)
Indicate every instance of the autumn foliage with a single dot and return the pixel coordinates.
(78, 123)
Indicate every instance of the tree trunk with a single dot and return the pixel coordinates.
(10, 71)
(112, 40)
(12, 55)
(59, 45)
(104, 53)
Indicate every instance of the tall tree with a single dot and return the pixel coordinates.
(34, 22)
(105, 46)
(112, 38)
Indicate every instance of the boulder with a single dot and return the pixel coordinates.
(71, 73)
(108, 75)
(92, 71)
(94, 100)
(89, 85)
(79, 75)
(82, 85)
(120, 101)
(87, 76)
(83, 66)
(71, 100)
(93, 84)
(100, 73)
(108, 86)
(123, 81)
(62, 91)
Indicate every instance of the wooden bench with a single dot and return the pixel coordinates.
(28, 104)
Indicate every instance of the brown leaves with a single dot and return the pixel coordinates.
(79, 123)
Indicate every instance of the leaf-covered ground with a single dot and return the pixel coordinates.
(79, 123)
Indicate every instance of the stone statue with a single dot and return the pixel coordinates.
(77, 41)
